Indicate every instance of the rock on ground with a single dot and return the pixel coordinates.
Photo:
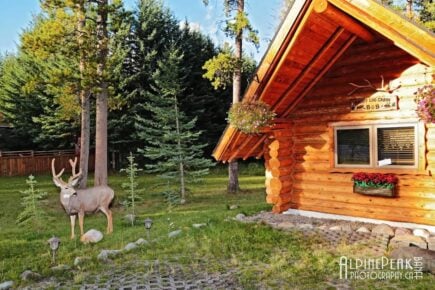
(6, 285)
(240, 217)
(198, 226)
(30, 276)
(305, 226)
(233, 206)
(383, 229)
(130, 246)
(431, 243)
(413, 252)
(421, 233)
(141, 242)
(173, 234)
(408, 240)
(61, 267)
(91, 236)
(402, 231)
(104, 255)
(285, 226)
(363, 230)
(335, 228)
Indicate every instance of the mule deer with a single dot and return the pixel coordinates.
(78, 202)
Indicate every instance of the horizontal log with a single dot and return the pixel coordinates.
(281, 162)
(345, 194)
(378, 214)
(284, 171)
(375, 209)
(370, 116)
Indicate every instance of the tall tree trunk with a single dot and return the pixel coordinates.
(182, 179)
(102, 97)
(85, 130)
(409, 9)
(233, 167)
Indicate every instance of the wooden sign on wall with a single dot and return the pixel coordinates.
(380, 101)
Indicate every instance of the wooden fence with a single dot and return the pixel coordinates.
(22, 163)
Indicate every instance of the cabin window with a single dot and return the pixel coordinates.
(376, 146)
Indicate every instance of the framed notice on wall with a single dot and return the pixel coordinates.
(377, 102)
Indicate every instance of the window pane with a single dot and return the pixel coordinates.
(353, 146)
(397, 144)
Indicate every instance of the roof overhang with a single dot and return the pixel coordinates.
(309, 41)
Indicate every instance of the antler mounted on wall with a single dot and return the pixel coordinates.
(384, 88)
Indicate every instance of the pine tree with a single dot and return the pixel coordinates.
(131, 186)
(170, 136)
(31, 201)
(238, 27)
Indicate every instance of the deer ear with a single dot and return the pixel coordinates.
(57, 182)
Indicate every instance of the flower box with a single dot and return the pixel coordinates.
(376, 191)
(377, 184)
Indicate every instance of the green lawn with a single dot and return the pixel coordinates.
(277, 259)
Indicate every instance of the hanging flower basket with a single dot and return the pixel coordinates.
(425, 98)
(377, 184)
(250, 117)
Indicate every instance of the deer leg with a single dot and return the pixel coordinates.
(73, 224)
(81, 218)
(108, 214)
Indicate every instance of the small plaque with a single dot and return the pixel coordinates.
(377, 102)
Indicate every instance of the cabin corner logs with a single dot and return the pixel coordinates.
(299, 169)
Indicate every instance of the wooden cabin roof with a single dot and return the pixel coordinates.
(311, 39)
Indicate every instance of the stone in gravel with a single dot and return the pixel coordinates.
(285, 226)
(383, 229)
(413, 252)
(198, 226)
(305, 226)
(322, 227)
(363, 230)
(240, 217)
(104, 255)
(30, 276)
(402, 231)
(421, 233)
(233, 206)
(91, 236)
(141, 242)
(346, 228)
(80, 260)
(130, 247)
(431, 243)
(6, 285)
(335, 228)
(61, 267)
(173, 234)
(408, 240)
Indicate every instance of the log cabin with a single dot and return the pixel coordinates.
(341, 76)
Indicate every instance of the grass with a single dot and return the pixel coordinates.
(273, 258)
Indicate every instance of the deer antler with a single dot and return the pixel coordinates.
(383, 88)
(53, 171)
(73, 166)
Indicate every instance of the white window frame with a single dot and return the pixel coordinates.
(373, 144)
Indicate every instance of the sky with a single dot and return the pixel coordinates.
(16, 15)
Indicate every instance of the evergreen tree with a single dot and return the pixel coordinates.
(131, 186)
(31, 201)
(239, 28)
(170, 137)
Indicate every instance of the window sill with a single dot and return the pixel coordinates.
(398, 171)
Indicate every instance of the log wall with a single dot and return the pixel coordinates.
(300, 171)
